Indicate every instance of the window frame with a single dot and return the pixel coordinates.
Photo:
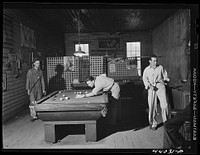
(139, 61)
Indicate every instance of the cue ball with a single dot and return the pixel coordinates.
(66, 98)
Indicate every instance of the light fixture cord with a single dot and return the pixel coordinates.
(79, 27)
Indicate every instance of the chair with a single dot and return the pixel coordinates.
(185, 128)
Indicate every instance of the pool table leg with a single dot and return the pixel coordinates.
(50, 135)
(91, 131)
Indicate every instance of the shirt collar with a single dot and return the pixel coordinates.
(35, 70)
(153, 67)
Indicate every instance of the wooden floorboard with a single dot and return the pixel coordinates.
(21, 133)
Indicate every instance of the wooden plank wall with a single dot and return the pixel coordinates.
(92, 39)
(145, 37)
(15, 98)
(170, 40)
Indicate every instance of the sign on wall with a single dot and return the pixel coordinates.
(109, 43)
(28, 37)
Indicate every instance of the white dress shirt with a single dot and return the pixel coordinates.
(102, 82)
(152, 76)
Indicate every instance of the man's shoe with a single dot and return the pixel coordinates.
(33, 119)
(179, 147)
(187, 145)
(153, 127)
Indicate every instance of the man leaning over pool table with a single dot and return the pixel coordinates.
(105, 84)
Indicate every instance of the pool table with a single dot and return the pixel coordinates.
(61, 108)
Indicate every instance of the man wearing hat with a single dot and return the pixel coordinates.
(35, 86)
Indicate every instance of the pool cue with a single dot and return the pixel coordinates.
(152, 106)
(46, 97)
(152, 101)
(34, 84)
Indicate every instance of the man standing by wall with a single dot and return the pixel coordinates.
(35, 86)
(154, 77)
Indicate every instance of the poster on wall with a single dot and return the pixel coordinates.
(28, 37)
(8, 33)
(69, 63)
(13, 60)
(112, 68)
(6, 59)
(4, 82)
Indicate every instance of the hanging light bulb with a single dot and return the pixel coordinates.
(79, 53)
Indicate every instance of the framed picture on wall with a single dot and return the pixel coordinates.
(4, 82)
(28, 38)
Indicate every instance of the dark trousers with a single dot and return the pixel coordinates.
(172, 136)
(114, 111)
(35, 95)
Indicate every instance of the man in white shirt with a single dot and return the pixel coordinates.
(154, 77)
(105, 84)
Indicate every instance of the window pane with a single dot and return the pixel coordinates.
(133, 50)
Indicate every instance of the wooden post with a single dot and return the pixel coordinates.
(50, 135)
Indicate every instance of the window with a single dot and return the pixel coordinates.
(84, 47)
(133, 49)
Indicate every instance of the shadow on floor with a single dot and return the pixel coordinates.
(134, 117)
(69, 129)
